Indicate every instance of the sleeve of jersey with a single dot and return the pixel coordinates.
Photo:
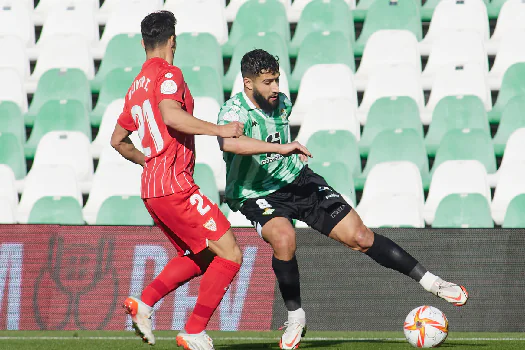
(126, 120)
(170, 85)
(288, 105)
(230, 112)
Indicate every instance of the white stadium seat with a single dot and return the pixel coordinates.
(455, 176)
(15, 19)
(237, 219)
(297, 7)
(12, 88)
(208, 152)
(511, 50)
(513, 153)
(238, 84)
(206, 108)
(17, 58)
(7, 211)
(108, 155)
(8, 186)
(511, 19)
(511, 183)
(393, 210)
(234, 6)
(47, 180)
(107, 125)
(109, 7)
(45, 7)
(387, 47)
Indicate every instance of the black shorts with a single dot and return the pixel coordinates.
(308, 198)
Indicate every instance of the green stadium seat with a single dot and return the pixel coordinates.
(115, 86)
(198, 49)
(512, 118)
(123, 50)
(123, 210)
(395, 145)
(323, 143)
(56, 211)
(455, 112)
(387, 14)
(514, 217)
(204, 82)
(429, 6)
(60, 84)
(362, 7)
(12, 154)
(467, 144)
(390, 113)
(320, 16)
(63, 115)
(205, 179)
(318, 48)
(494, 7)
(271, 42)
(470, 210)
(337, 175)
(513, 84)
(257, 16)
(12, 120)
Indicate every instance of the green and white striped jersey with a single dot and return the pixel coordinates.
(261, 174)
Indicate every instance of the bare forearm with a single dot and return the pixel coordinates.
(247, 146)
(184, 122)
(128, 151)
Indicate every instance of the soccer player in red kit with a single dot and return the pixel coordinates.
(159, 106)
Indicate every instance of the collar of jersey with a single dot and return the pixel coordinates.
(248, 104)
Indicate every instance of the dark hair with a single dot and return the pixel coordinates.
(256, 61)
(157, 28)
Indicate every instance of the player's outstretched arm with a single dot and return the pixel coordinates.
(177, 118)
(247, 146)
(121, 142)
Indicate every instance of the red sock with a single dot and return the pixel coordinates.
(214, 284)
(176, 272)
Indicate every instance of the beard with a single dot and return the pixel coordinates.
(265, 103)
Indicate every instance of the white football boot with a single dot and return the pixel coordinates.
(295, 329)
(451, 292)
(141, 317)
(199, 341)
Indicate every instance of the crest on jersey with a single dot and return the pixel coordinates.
(211, 225)
(284, 114)
(168, 87)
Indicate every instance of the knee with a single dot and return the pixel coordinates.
(283, 244)
(363, 237)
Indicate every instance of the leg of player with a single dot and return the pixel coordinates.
(280, 233)
(353, 233)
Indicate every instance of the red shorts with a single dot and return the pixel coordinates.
(189, 219)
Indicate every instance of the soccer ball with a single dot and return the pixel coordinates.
(426, 327)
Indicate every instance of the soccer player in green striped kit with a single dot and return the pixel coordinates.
(269, 182)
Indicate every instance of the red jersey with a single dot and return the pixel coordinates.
(170, 154)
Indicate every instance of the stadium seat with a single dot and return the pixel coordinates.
(206, 108)
(15, 19)
(513, 84)
(514, 149)
(463, 210)
(123, 50)
(329, 114)
(234, 6)
(514, 217)
(123, 210)
(430, 5)
(456, 15)
(12, 120)
(451, 80)
(208, 152)
(55, 115)
(12, 154)
(397, 145)
(322, 144)
(121, 179)
(12, 88)
(362, 7)
(202, 16)
(109, 155)
(511, 183)
(389, 113)
(17, 58)
(204, 82)
(455, 176)
(60, 84)
(387, 14)
(337, 81)
(271, 42)
(47, 180)
(257, 16)
(317, 48)
(110, 6)
(392, 210)
(238, 84)
(511, 50)
(455, 112)
(67, 148)
(46, 7)
(56, 210)
(107, 125)
(454, 48)
(237, 219)
(512, 119)
(388, 81)
(205, 179)
(198, 49)
(7, 212)
(321, 16)
(338, 176)
(115, 86)
(387, 47)
(8, 190)
(295, 11)
(511, 21)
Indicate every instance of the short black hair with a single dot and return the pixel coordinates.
(157, 28)
(258, 61)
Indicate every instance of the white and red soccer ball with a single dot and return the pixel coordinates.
(426, 327)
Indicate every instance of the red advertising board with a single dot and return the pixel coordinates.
(76, 277)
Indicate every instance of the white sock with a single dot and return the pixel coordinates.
(297, 314)
(427, 281)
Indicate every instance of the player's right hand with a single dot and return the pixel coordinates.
(295, 147)
(233, 129)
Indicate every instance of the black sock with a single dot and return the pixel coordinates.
(287, 273)
(388, 254)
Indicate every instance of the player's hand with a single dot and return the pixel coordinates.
(295, 147)
(233, 129)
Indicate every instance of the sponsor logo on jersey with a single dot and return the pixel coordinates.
(324, 188)
(231, 116)
(268, 211)
(271, 159)
(168, 87)
(210, 225)
(337, 211)
(333, 195)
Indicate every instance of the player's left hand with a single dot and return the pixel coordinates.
(295, 147)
